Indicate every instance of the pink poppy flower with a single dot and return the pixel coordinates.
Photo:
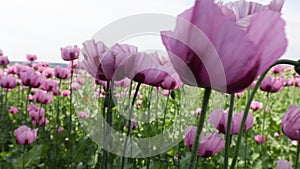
(260, 139)
(198, 111)
(166, 92)
(25, 135)
(291, 123)
(288, 82)
(65, 93)
(102, 62)
(283, 164)
(49, 85)
(12, 69)
(133, 124)
(13, 110)
(189, 136)
(37, 115)
(149, 69)
(32, 79)
(83, 115)
(31, 57)
(4, 60)
(271, 84)
(43, 98)
(44, 64)
(62, 73)
(209, 145)
(139, 103)
(256, 105)
(8, 82)
(276, 134)
(75, 65)
(197, 46)
(294, 142)
(70, 53)
(240, 94)
(48, 72)
(277, 69)
(60, 129)
(40, 122)
(219, 119)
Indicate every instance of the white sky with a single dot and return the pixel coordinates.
(41, 27)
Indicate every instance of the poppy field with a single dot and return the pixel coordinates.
(221, 98)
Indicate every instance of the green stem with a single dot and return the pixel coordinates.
(57, 108)
(246, 148)
(26, 104)
(129, 125)
(106, 117)
(297, 156)
(264, 122)
(227, 136)
(165, 112)
(164, 119)
(70, 117)
(200, 126)
(71, 91)
(283, 61)
(109, 117)
(23, 161)
(104, 164)
(149, 124)
(180, 124)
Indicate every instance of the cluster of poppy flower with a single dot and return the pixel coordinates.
(218, 117)
(242, 24)
(241, 36)
(42, 83)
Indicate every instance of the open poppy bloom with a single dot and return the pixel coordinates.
(209, 48)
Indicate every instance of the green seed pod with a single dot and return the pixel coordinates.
(173, 95)
(297, 69)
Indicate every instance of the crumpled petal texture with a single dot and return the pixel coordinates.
(218, 52)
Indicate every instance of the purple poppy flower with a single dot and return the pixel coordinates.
(31, 57)
(4, 60)
(62, 73)
(260, 139)
(25, 135)
(197, 46)
(208, 145)
(219, 119)
(291, 123)
(31, 78)
(70, 53)
(256, 105)
(102, 62)
(283, 164)
(8, 82)
(148, 69)
(271, 84)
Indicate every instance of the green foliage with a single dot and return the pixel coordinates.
(74, 149)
